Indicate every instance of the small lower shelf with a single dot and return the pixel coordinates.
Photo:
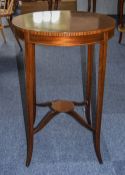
(62, 106)
(121, 28)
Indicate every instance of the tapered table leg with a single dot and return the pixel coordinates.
(94, 5)
(89, 5)
(93, 90)
(50, 4)
(83, 68)
(89, 81)
(120, 20)
(101, 79)
(30, 96)
(56, 4)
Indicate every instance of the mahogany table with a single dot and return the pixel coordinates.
(64, 28)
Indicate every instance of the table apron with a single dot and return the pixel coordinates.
(62, 40)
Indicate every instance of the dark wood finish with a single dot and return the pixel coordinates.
(56, 4)
(90, 7)
(64, 28)
(89, 82)
(101, 79)
(121, 27)
(62, 106)
(43, 6)
(30, 96)
(49, 2)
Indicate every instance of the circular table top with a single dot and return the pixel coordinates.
(64, 23)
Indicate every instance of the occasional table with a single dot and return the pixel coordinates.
(64, 28)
